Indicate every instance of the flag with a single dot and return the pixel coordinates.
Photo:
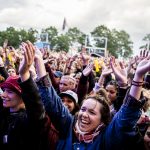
(64, 24)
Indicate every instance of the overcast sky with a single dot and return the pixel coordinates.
(133, 16)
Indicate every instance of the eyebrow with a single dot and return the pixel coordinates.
(89, 109)
(92, 110)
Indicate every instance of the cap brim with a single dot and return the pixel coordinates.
(10, 86)
(70, 96)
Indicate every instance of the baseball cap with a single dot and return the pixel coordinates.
(58, 74)
(12, 83)
(70, 94)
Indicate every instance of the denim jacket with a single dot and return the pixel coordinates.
(118, 135)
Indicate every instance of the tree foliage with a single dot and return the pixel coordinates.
(147, 42)
(52, 35)
(15, 37)
(119, 42)
(75, 35)
(147, 37)
(63, 43)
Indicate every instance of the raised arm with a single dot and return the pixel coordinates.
(142, 68)
(122, 127)
(59, 115)
(31, 97)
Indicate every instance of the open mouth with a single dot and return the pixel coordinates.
(85, 122)
(5, 101)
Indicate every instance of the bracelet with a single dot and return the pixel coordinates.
(135, 83)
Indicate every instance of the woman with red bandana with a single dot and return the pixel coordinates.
(92, 129)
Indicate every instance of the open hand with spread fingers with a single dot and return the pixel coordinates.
(29, 52)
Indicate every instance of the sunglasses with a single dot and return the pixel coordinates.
(11, 71)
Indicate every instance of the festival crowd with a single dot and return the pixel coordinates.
(55, 101)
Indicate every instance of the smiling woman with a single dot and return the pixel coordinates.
(93, 116)
(12, 94)
(23, 121)
(92, 128)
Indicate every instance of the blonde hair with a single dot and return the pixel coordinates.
(70, 78)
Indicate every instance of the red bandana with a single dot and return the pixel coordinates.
(85, 136)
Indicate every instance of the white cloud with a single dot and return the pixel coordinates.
(131, 16)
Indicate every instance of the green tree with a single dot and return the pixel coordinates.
(12, 35)
(23, 34)
(103, 31)
(52, 35)
(27, 35)
(15, 37)
(147, 37)
(75, 35)
(31, 35)
(147, 40)
(123, 43)
(63, 43)
(119, 42)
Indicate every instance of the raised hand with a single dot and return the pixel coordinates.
(143, 67)
(85, 58)
(106, 71)
(119, 71)
(29, 52)
(143, 54)
(132, 62)
(38, 53)
(39, 63)
(88, 69)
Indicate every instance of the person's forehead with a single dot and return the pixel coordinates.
(111, 87)
(91, 104)
(64, 79)
(64, 82)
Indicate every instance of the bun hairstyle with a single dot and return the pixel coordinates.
(101, 97)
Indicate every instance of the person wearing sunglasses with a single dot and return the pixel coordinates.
(11, 71)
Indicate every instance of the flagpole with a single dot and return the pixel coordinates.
(64, 24)
(148, 45)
